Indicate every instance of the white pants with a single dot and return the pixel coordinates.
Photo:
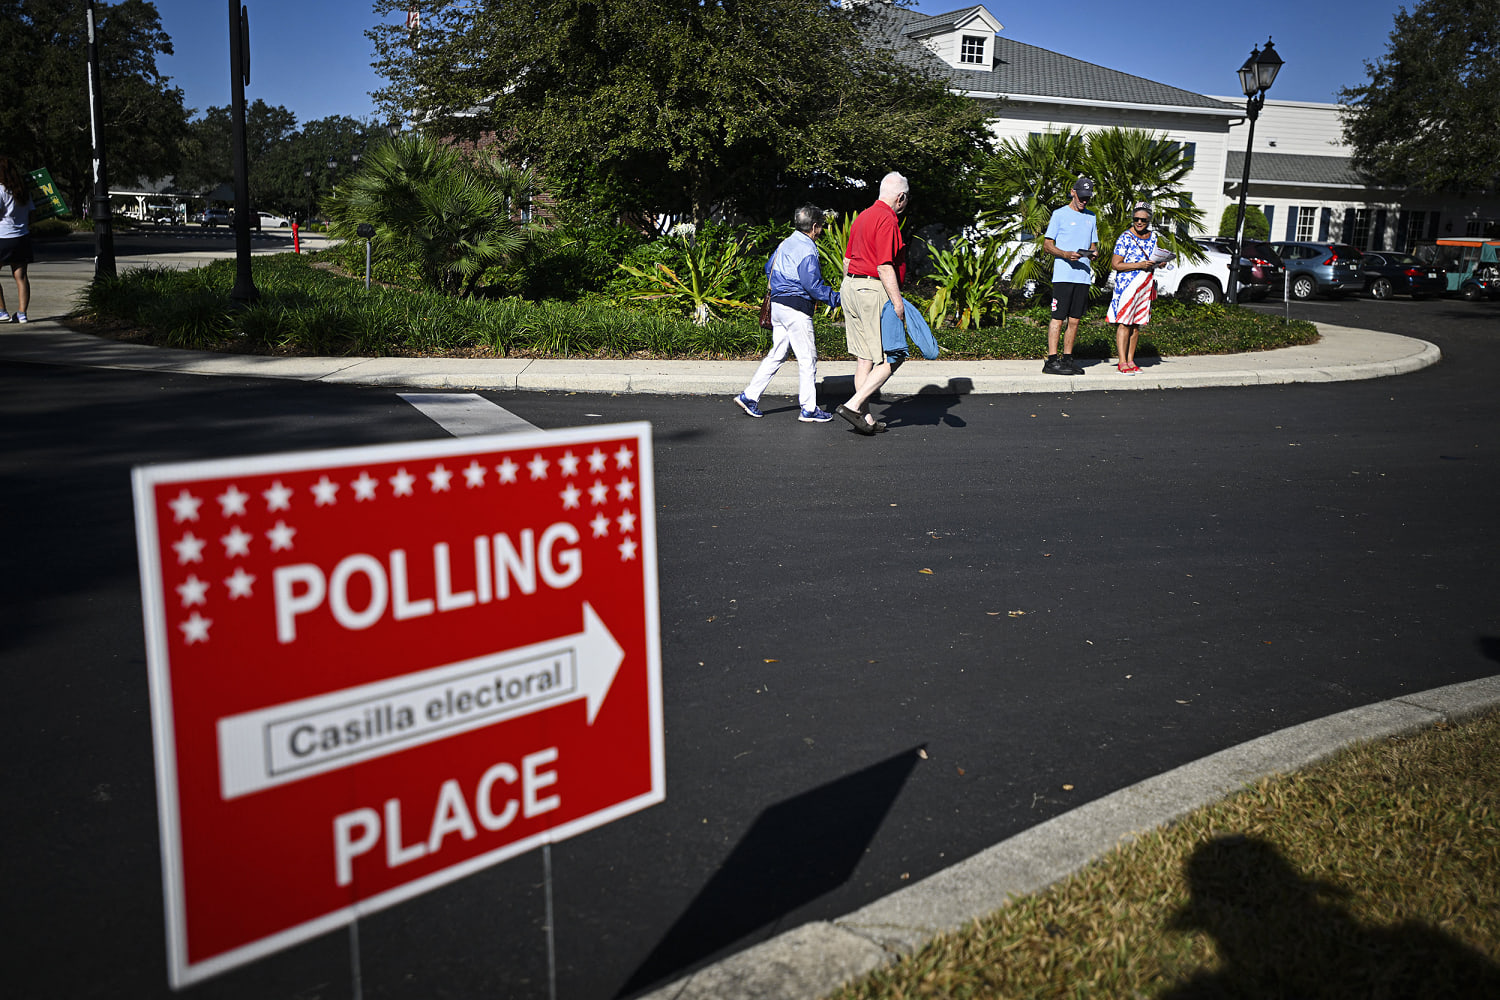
(789, 329)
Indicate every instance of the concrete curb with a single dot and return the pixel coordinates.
(1342, 354)
(815, 959)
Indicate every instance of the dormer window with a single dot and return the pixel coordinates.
(971, 50)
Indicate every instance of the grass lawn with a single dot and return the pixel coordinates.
(1374, 875)
(308, 306)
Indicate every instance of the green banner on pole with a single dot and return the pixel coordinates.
(47, 201)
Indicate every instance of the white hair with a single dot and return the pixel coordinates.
(893, 184)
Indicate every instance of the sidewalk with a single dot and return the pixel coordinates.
(1342, 354)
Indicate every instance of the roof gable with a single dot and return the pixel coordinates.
(1020, 71)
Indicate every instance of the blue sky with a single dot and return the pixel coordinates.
(312, 56)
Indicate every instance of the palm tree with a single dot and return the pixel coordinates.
(1024, 181)
(434, 207)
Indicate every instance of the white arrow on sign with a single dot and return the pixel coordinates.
(288, 742)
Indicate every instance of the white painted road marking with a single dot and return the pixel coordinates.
(463, 414)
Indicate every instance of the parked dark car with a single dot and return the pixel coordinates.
(211, 217)
(1261, 271)
(1330, 268)
(1388, 274)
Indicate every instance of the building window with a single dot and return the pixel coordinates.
(1359, 233)
(1477, 227)
(971, 50)
(1189, 150)
(1306, 219)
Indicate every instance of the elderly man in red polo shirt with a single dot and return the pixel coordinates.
(874, 268)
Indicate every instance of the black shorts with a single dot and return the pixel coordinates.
(1069, 299)
(16, 250)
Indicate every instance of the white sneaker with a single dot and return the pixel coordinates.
(20, 317)
(4, 317)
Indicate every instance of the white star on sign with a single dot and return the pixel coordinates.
(596, 461)
(401, 483)
(364, 487)
(626, 521)
(625, 488)
(189, 549)
(239, 583)
(570, 496)
(278, 497)
(326, 492)
(439, 478)
(236, 543)
(598, 493)
(232, 501)
(474, 474)
(507, 470)
(185, 507)
(281, 536)
(623, 457)
(193, 591)
(600, 524)
(195, 629)
(627, 549)
(538, 467)
(569, 464)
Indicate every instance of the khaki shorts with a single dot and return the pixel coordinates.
(863, 299)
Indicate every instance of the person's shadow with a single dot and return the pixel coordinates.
(1279, 934)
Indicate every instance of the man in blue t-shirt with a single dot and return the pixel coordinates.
(1073, 238)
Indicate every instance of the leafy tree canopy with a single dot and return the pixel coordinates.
(678, 106)
(1427, 117)
(44, 104)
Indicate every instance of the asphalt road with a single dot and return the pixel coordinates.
(1191, 569)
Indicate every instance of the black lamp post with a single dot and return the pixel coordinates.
(1256, 77)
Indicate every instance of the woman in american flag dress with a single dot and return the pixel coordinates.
(1135, 286)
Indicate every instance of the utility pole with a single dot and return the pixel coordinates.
(104, 237)
(244, 291)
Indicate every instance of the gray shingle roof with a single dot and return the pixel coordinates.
(1293, 168)
(1023, 70)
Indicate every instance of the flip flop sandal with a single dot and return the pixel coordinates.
(856, 419)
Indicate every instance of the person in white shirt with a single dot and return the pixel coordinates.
(15, 235)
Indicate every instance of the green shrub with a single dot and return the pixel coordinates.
(309, 310)
(1257, 226)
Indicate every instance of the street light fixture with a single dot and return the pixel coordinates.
(1256, 77)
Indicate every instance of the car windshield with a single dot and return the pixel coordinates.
(1345, 250)
(1404, 260)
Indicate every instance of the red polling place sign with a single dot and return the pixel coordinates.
(376, 670)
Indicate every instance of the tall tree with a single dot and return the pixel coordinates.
(1429, 116)
(675, 106)
(44, 109)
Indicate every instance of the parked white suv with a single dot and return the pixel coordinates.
(1203, 281)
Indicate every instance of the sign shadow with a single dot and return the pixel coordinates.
(794, 852)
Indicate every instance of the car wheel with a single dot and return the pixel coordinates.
(1380, 288)
(1470, 293)
(1303, 286)
(1203, 292)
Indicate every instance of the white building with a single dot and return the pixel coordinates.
(1301, 175)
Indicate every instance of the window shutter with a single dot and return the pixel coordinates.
(1323, 224)
(1291, 222)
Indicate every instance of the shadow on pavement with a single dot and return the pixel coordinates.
(794, 852)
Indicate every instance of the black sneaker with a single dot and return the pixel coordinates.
(1054, 365)
(1074, 368)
